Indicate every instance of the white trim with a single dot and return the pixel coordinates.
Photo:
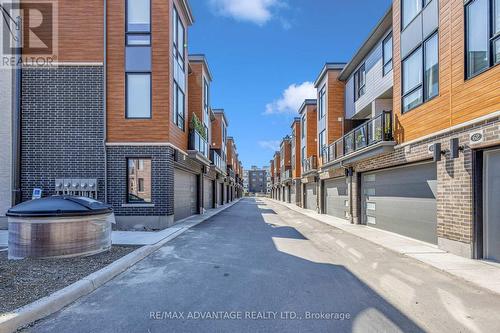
(141, 144)
(138, 205)
(450, 129)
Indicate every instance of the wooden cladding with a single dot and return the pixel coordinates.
(80, 31)
(296, 170)
(311, 131)
(459, 100)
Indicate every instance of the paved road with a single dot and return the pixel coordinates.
(275, 268)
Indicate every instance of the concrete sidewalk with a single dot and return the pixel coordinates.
(482, 273)
(146, 237)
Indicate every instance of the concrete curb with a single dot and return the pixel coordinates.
(48, 305)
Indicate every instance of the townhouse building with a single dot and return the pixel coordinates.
(286, 169)
(309, 154)
(271, 180)
(331, 125)
(124, 116)
(277, 176)
(295, 156)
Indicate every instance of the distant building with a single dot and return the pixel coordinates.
(257, 180)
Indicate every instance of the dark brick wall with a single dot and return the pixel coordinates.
(62, 127)
(162, 174)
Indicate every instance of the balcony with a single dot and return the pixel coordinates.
(309, 164)
(286, 175)
(230, 173)
(369, 134)
(198, 147)
(217, 161)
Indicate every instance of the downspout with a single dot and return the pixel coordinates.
(104, 93)
(16, 121)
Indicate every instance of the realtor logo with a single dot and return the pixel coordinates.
(29, 33)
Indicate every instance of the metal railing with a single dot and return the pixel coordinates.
(230, 172)
(373, 131)
(311, 163)
(217, 160)
(197, 142)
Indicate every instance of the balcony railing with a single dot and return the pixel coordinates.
(373, 131)
(309, 164)
(287, 174)
(198, 143)
(217, 160)
(230, 172)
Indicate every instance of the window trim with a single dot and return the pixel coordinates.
(322, 92)
(491, 39)
(127, 32)
(384, 63)
(357, 87)
(175, 41)
(127, 116)
(176, 88)
(127, 183)
(421, 85)
(423, 5)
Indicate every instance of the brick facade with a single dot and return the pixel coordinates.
(62, 127)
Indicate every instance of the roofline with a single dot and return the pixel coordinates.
(221, 112)
(187, 10)
(307, 102)
(203, 59)
(295, 120)
(329, 66)
(383, 25)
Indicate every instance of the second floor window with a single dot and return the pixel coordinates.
(138, 95)
(359, 82)
(482, 25)
(179, 108)
(387, 54)
(420, 74)
(322, 102)
(303, 155)
(322, 140)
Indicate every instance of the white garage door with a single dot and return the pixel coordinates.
(402, 200)
(185, 194)
(311, 196)
(336, 197)
(208, 192)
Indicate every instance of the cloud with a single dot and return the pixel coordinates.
(270, 144)
(255, 11)
(292, 98)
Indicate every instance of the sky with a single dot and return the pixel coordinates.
(265, 55)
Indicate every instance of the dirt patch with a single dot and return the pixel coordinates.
(24, 281)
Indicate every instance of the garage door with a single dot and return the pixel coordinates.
(219, 194)
(208, 192)
(491, 208)
(293, 194)
(402, 200)
(311, 196)
(336, 198)
(185, 194)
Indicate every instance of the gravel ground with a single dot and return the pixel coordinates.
(24, 281)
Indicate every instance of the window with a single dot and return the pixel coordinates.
(322, 102)
(303, 126)
(138, 95)
(410, 9)
(431, 68)
(179, 34)
(303, 156)
(138, 180)
(387, 53)
(138, 16)
(482, 35)
(206, 99)
(179, 109)
(420, 74)
(359, 82)
(322, 140)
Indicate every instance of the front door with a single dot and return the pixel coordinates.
(491, 207)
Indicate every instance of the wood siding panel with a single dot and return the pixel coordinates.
(459, 100)
(217, 132)
(158, 127)
(195, 87)
(80, 31)
(296, 171)
(311, 131)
